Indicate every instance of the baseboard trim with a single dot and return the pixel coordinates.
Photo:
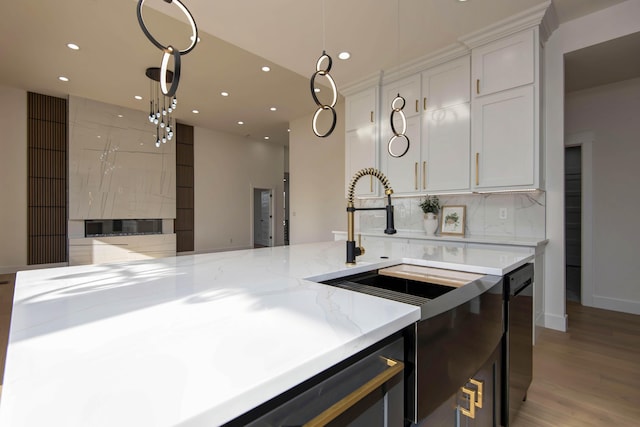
(615, 304)
(557, 322)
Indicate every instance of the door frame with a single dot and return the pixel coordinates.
(585, 140)
(271, 191)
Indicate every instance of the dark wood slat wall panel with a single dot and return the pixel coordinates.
(184, 223)
(47, 170)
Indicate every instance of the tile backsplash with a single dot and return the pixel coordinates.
(523, 214)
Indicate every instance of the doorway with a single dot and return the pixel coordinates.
(573, 222)
(262, 217)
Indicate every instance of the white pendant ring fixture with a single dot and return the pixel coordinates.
(170, 51)
(321, 107)
(397, 105)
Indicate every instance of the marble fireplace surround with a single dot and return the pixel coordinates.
(116, 172)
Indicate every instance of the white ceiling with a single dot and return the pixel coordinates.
(237, 38)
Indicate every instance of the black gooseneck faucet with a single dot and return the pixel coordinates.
(352, 250)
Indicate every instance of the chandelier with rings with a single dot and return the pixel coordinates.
(161, 106)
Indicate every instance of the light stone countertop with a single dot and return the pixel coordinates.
(198, 340)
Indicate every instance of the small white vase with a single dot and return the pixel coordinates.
(430, 223)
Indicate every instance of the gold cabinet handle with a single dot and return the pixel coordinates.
(477, 86)
(480, 386)
(371, 183)
(471, 412)
(424, 175)
(394, 368)
(415, 175)
(417, 106)
(371, 117)
(424, 102)
(477, 166)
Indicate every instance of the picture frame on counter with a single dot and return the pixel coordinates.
(453, 220)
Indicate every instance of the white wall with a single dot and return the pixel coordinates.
(13, 179)
(611, 114)
(226, 169)
(598, 27)
(317, 186)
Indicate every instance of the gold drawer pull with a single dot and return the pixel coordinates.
(477, 166)
(417, 106)
(424, 175)
(371, 183)
(394, 368)
(477, 86)
(424, 101)
(415, 175)
(371, 117)
(471, 412)
(480, 386)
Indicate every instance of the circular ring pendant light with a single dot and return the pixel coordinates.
(396, 108)
(168, 51)
(324, 72)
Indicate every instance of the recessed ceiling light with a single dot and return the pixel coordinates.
(73, 46)
(344, 55)
(138, 97)
(120, 116)
(195, 111)
(288, 130)
(240, 122)
(266, 137)
(266, 69)
(273, 108)
(63, 78)
(224, 93)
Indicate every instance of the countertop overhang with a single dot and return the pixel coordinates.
(201, 339)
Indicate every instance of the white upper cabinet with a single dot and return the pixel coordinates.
(446, 85)
(504, 64)
(505, 114)
(404, 172)
(361, 139)
(361, 109)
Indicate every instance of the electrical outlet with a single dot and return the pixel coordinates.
(503, 213)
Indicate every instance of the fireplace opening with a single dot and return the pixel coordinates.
(121, 227)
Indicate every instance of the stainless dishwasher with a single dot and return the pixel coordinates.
(517, 341)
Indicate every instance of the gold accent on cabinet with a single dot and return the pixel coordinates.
(471, 412)
(480, 385)
(371, 117)
(415, 175)
(371, 183)
(417, 109)
(477, 86)
(424, 175)
(477, 166)
(424, 102)
(394, 368)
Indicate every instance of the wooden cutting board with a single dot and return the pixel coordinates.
(430, 275)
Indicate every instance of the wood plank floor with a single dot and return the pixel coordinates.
(589, 376)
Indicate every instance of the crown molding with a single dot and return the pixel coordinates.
(430, 60)
(373, 79)
(549, 23)
(529, 18)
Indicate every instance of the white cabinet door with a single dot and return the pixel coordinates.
(446, 146)
(409, 89)
(503, 129)
(403, 172)
(446, 85)
(361, 144)
(361, 153)
(360, 109)
(504, 64)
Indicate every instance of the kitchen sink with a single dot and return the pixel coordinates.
(405, 283)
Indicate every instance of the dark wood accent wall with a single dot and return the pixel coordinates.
(184, 223)
(47, 175)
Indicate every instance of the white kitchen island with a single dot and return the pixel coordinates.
(198, 340)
